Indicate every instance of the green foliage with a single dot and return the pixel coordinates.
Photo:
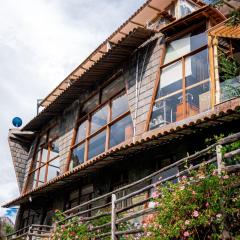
(71, 229)
(75, 228)
(229, 67)
(234, 18)
(201, 206)
(8, 229)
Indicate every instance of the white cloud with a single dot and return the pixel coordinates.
(41, 42)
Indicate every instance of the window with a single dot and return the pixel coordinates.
(183, 89)
(46, 163)
(186, 7)
(105, 127)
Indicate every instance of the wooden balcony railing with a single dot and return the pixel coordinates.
(31, 232)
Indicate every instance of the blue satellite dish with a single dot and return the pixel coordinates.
(17, 122)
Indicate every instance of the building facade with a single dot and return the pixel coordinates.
(149, 95)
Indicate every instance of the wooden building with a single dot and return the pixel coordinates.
(149, 95)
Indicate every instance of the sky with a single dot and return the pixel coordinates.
(41, 42)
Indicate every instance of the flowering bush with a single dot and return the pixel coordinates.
(201, 206)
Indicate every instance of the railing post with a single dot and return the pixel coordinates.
(29, 233)
(113, 218)
(219, 158)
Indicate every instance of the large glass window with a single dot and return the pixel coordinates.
(46, 163)
(105, 127)
(183, 89)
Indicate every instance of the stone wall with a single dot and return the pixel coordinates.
(19, 154)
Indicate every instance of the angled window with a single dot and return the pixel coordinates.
(46, 163)
(183, 89)
(186, 7)
(105, 127)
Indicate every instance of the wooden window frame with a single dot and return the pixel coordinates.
(40, 164)
(106, 127)
(184, 88)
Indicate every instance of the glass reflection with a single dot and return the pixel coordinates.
(119, 106)
(166, 111)
(185, 45)
(78, 155)
(44, 155)
(198, 99)
(42, 175)
(121, 131)
(171, 79)
(197, 68)
(53, 169)
(81, 133)
(99, 119)
(97, 144)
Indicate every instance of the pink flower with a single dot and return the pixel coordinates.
(219, 215)
(225, 177)
(186, 234)
(155, 194)
(187, 222)
(195, 213)
(207, 204)
(193, 193)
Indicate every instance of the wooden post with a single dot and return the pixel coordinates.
(216, 71)
(29, 233)
(219, 158)
(113, 218)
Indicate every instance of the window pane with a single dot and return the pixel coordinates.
(99, 119)
(121, 131)
(36, 160)
(111, 89)
(53, 169)
(78, 155)
(186, 8)
(91, 104)
(198, 99)
(42, 175)
(167, 111)
(81, 133)
(97, 144)
(185, 45)
(34, 176)
(170, 80)
(54, 149)
(197, 68)
(119, 106)
(44, 155)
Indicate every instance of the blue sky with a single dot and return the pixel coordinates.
(41, 42)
